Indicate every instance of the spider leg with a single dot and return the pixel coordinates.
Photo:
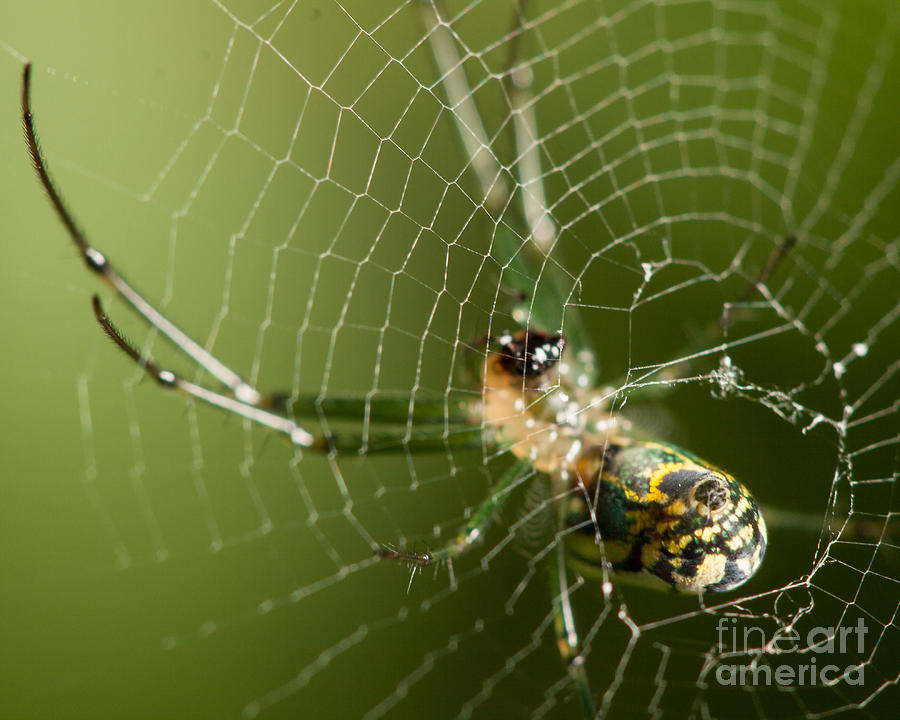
(98, 263)
(430, 411)
(472, 132)
(276, 411)
(567, 639)
(525, 235)
(473, 531)
(245, 400)
(168, 379)
(400, 439)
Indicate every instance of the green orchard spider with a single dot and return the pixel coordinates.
(622, 502)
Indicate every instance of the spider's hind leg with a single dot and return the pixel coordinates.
(568, 641)
(473, 531)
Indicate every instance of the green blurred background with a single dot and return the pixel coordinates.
(157, 560)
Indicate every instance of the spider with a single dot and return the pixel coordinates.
(622, 502)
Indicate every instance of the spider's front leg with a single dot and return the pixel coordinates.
(241, 397)
(440, 423)
(440, 426)
(170, 380)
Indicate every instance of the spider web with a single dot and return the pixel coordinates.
(330, 196)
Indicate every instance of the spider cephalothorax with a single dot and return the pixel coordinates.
(529, 354)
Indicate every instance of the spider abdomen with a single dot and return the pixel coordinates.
(666, 514)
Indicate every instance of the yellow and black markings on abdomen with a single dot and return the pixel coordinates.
(658, 509)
